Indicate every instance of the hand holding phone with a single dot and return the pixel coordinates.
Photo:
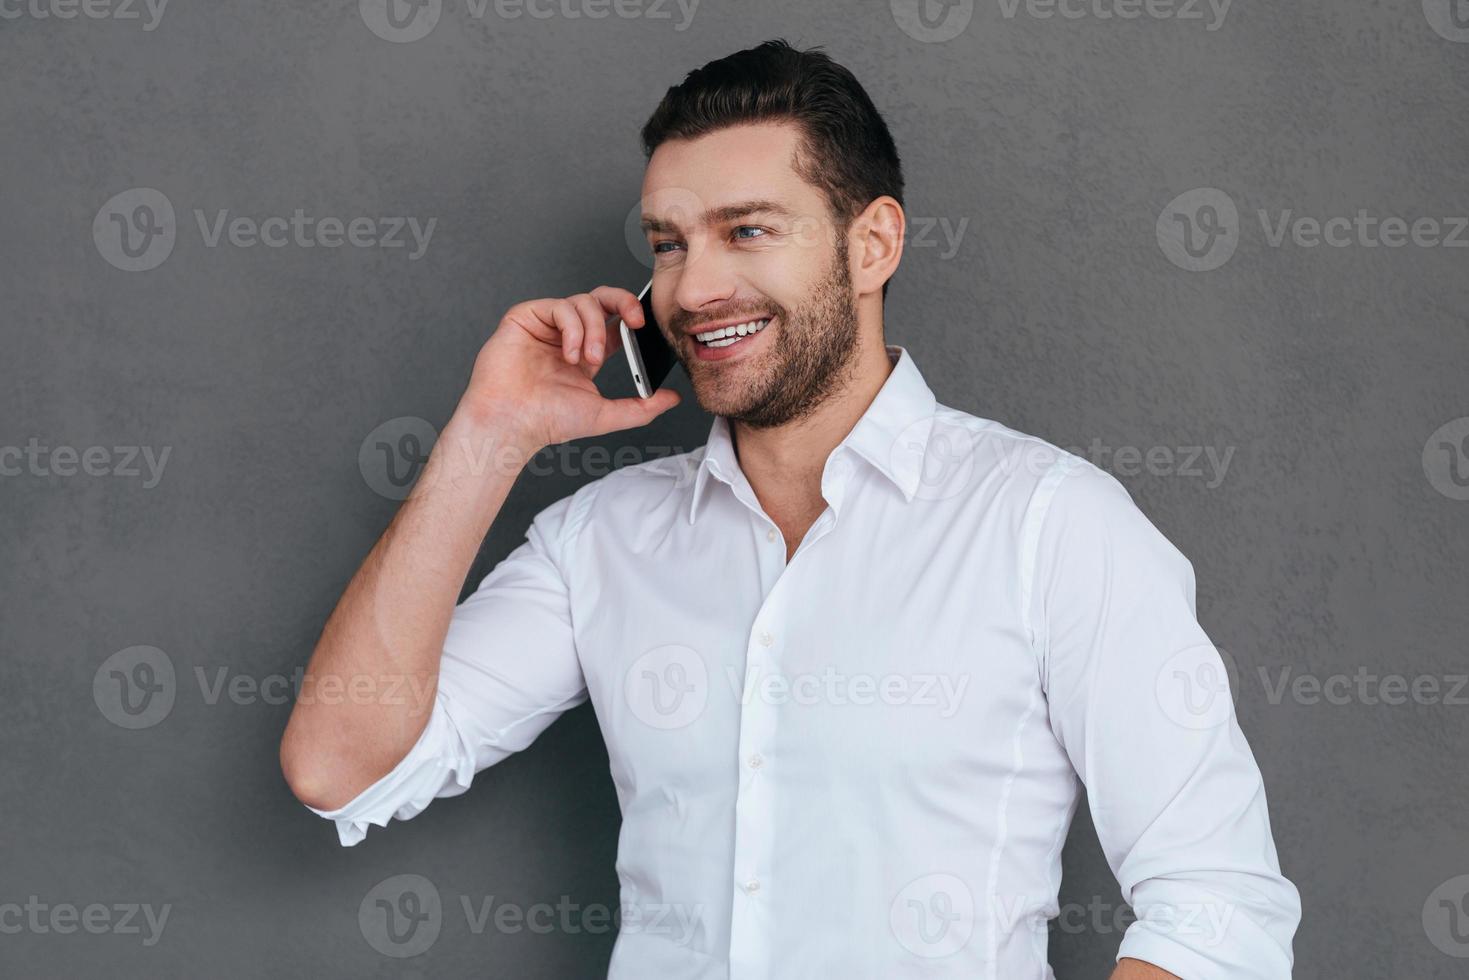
(534, 379)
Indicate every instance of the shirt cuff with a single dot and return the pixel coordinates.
(1140, 942)
(1248, 952)
(409, 787)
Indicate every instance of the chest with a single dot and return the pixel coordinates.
(794, 518)
(857, 648)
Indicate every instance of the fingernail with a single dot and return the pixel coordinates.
(594, 351)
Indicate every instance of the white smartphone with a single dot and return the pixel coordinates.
(648, 353)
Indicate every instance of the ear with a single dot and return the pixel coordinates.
(875, 244)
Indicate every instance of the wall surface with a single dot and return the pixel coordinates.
(1121, 241)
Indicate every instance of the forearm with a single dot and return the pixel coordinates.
(1131, 969)
(386, 635)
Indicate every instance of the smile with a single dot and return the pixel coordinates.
(728, 336)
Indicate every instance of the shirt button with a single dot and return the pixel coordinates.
(770, 535)
(752, 886)
(757, 760)
(765, 638)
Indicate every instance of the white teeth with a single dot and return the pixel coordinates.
(725, 336)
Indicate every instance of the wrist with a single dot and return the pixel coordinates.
(486, 442)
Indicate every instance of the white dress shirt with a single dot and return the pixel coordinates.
(863, 762)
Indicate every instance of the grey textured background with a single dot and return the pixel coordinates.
(1327, 548)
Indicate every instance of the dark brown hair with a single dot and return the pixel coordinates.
(846, 150)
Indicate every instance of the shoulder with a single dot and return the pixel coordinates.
(1024, 470)
(645, 488)
(1081, 523)
(647, 483)
(1059, 501)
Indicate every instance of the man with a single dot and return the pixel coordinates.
(854, 658)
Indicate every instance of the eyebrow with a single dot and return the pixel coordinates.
(728, 212)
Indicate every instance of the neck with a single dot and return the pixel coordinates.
(784, 463)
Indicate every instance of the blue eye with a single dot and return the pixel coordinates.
(658, 248)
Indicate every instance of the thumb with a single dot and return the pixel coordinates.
(629, 413)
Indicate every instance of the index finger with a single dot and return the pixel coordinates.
(619, 303)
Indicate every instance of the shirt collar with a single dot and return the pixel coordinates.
(892, 434)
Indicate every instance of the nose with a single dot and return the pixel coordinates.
(706, 279)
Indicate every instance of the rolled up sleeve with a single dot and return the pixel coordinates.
(1141, 701)
(509, 669)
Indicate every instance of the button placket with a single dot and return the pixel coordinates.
(750, 924)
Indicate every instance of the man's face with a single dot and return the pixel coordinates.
(718, 261)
